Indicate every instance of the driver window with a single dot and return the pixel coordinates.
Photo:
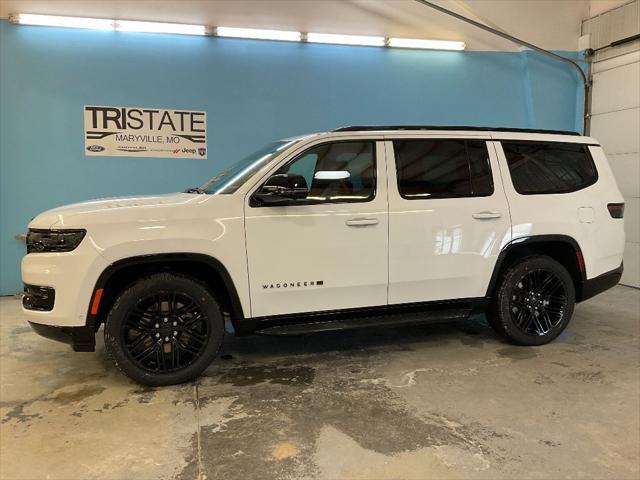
(337, 172)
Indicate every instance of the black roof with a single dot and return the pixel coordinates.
(366, 128)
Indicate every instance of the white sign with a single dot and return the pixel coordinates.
(144, 132)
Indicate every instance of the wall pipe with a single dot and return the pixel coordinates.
(511, 38)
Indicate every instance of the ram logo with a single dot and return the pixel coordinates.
(95, 148)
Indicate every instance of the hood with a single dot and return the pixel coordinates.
(64, 216)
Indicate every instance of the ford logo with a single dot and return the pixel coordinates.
(95, 148)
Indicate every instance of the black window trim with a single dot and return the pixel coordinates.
(255, 204)
(463, 138)
(585, 146)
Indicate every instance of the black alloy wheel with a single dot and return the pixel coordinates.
(538, 302)
(164, 329)
(165, 332)
(533, 301)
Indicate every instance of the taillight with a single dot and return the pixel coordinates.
(616, 209)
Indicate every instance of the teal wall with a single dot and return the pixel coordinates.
(253, 92)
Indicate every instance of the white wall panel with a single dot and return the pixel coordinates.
(618, 132)
(626, 169)
(598, 7)
(619, 60)
(616, 124)
(632, 219)
(616, 89)
(631, 275)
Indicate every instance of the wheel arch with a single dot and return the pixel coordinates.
(562, 248)
(122, 273)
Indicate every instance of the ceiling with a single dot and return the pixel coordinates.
(551, 24)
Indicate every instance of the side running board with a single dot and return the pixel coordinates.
(394, 319)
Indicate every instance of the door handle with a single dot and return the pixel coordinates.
(486, 215)
(361, 222)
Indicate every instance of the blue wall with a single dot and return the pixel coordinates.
(253, 92)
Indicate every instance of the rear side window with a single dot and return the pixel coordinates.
(551, 167)
(442, 168)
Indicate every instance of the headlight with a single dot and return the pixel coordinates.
(53, 240)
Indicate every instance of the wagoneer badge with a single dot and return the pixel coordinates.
(312, 283)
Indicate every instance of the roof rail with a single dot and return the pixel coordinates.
(366, 128)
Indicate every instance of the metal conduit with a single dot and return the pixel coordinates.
(511, 38)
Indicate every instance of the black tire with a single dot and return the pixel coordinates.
(533, 302)
(158, 319)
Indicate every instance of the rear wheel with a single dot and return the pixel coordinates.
(164, 329)
(534, 301)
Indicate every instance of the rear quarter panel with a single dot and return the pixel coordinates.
(581, 215)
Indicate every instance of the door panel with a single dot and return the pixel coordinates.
(320, 256)
(444, 248)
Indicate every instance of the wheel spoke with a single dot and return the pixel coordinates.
(138, 340)
(137, 325)
(550, 285)
(529, 320)
(146, 352)
(162, 356)
(186, 308)
(558, 298)
(189, 348)
(548, 320)
(195, 335)
(544, 321)
(538, 325)
(174, 349)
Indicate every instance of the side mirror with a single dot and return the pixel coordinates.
(281, 189)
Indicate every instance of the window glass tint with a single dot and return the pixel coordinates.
(337, 172)
(481, 180)
(442, 168)
(551, 167)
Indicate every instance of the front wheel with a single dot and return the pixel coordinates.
(164, 329)
(534, 301)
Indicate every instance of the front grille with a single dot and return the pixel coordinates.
(38, 298)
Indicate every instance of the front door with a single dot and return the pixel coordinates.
(448, 218)
(329, 251)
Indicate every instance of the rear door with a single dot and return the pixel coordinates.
(448, 217)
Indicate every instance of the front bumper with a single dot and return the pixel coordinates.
(82, 339)
(69, 277)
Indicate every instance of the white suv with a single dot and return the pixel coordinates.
(355, 227)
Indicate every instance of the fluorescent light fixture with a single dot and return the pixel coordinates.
(253, 33)
(159, 27)
(259, 34)
(426, 44)
(68, 22)
(345, 39)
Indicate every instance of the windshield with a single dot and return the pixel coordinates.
(232, 177)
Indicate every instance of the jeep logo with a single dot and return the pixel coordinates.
(188, 150)
(95, 148)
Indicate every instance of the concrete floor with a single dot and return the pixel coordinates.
(448, 401)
